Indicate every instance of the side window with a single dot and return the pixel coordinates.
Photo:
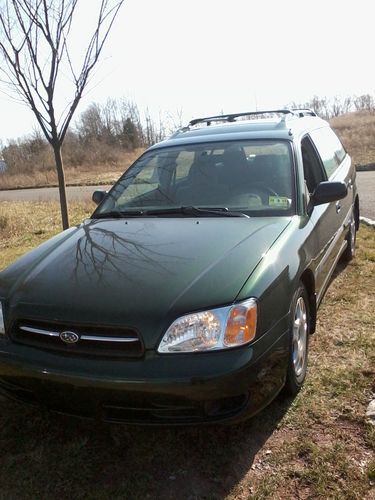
(312, 167)
(329, 147)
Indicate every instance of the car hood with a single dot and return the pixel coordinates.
(140, 272)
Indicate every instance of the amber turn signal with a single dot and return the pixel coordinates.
(241, 324)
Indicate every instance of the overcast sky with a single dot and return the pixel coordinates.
(202, 57)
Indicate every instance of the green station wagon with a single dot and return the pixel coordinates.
(190, 293)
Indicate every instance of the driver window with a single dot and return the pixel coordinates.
(312, 167)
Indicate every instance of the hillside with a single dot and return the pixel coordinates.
(357, 132)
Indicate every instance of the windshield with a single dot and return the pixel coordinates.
(249, 177)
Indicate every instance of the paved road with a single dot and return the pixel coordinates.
(74, 193)
(365, 182)
(366, 189)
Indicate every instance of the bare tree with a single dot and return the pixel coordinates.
(115, 123)
(90, 124)
(364, 102)
(336, 108)
(176, 120)
(36, 46)
(347, 105)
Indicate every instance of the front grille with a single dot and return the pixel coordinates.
(80, 340)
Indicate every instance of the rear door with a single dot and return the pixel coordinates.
(337, 165)
(328, 219)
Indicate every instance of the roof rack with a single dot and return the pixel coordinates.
(301, 112)
(232, 117)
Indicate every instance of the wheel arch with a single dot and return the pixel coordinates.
(356, 212)
(308, 280)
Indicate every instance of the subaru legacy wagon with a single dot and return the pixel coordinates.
(190, 293)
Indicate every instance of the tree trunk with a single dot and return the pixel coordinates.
(62, 189)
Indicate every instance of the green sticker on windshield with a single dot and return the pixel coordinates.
(279, 201)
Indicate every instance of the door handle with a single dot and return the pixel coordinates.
(338, 207)
(350, 184)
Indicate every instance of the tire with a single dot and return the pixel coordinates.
(298, 341)
(349, 252)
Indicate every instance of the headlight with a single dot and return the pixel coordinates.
(213, 329)
(2, 327)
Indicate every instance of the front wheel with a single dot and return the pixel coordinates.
(298, 341)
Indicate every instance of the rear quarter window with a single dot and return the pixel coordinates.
(329, 147)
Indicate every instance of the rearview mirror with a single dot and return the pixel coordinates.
(326, 191)
(98, 196)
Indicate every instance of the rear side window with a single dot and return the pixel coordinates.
(329, 147)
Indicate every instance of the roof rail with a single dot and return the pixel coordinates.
(303, 112)
(232, 117)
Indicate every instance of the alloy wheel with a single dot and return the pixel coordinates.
(299, 343)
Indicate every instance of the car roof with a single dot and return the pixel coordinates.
(275, 124)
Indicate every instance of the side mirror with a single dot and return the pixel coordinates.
(98, 196)
(326, 192)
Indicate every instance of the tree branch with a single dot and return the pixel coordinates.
(34, 45)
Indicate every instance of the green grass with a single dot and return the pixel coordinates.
(315, 446)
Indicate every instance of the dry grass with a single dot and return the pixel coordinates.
(23, 225)
(82, 175)
(317, 446)
(357, 132)
(324, 449)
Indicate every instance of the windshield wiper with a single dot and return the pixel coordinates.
(155, 212)
(119, 214)
(195, 211)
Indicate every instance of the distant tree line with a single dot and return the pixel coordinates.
(102, 133)
(329, 108)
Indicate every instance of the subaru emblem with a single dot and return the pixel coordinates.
(69, 337)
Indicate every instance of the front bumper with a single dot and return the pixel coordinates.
(157, 389)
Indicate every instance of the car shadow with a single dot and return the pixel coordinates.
(64, 457)
(341, 266)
